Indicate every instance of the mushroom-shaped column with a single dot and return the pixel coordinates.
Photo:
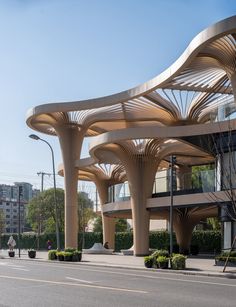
(185, 219)
(103, 175)
(140, 160)
(71, 139)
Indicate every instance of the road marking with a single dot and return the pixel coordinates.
(73, 284)
(20, 269)
(142, 275)
(80, 280)
(14, 267)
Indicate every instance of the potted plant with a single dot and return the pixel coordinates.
(178, 262)
(76, 255)
(160, 252)
(148, 261)
(221, 259)
(32, 253)
(162, 262)
(11, 253)
(68, 256)
(60, 256)
(52, 254)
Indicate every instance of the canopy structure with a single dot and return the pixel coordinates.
(136, 131)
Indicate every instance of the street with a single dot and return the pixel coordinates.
(28, 283)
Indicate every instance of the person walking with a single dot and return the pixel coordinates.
(11, 243)
(49, 244)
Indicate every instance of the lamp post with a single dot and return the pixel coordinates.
(20, 193)
(172, 162)
(37, 138)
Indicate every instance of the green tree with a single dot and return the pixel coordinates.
(41, 211)
(97, 225)
(121, 225)
(85, 211)
(198, 171)
(214, 223)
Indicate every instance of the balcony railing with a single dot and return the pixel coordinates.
(186, 183)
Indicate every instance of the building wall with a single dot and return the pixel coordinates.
(9, 205)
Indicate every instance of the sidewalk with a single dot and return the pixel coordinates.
(198, 265)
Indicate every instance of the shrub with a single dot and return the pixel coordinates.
(148, 261)
(70, 249)
(160, 252)
(223, 256)
(60, 255)
(178, 262)
(76, 255)
(68, 256)
(162, 262)
(52, 254)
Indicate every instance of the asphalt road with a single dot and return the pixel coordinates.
(28, 283)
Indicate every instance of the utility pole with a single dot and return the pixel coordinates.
(42, 178)
(42, 174)
(20, 193)
(172, 163)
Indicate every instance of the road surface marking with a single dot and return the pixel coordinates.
(73, 284)
(144, 276)
(19, 269)
(80, 280)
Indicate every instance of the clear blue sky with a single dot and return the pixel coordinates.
(52, 50)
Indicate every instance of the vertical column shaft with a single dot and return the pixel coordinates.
(108, 224)
(71, 142)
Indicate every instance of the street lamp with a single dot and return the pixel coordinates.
(37, 138)
(172, 162)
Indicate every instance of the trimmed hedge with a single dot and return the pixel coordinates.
(208, 241)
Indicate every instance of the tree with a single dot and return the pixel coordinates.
(85, 211)
(223, 146)
(41, 211)
(97, 225)
(121, 225)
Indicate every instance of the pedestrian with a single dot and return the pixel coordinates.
(49, 244)
(11, 243)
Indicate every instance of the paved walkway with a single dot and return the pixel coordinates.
(198, 265)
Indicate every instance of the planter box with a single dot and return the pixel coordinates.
(222, 263)
(11, 254)
(148, 264)
(77, 257)
(68, 258)
(60, 257)
(32, 254)
(163, 265)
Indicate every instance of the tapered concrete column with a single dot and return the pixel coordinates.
(71, 141)
(140, 173)
(108, 224)
(183, 227)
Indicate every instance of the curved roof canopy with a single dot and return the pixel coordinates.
(189, 92)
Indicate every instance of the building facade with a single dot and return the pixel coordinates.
(187, 112)
(11, 203)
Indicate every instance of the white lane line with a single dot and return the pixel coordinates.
(19, 269)
(80, 280)
(73, 284)
(145, 276)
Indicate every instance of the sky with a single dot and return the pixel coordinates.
(65, 50)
